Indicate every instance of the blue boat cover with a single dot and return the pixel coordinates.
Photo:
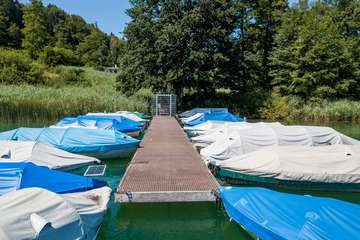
(202, 110)
(228, 117)
(15, 176)
(123, 124)
(75, 140)
(117, 117)
(275, 215)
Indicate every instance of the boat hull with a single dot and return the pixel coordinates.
(237, 178)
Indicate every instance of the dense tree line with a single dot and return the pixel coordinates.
(253, 47)
(53, 37)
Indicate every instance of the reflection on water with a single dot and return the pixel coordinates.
(183, 221)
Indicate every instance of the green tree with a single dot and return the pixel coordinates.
(313, 58)
(95, 49)
(35, 32)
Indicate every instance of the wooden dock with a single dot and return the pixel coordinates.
(166, 168)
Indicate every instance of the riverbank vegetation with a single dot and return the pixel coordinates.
(47, 102)
(260, 58)
(308, 51)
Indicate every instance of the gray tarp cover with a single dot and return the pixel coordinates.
(42, 155)
(69, 216)
(329, 164)
(210, 136)
(242, 141)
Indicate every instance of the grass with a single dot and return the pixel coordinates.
(291, 108)
(43, 103)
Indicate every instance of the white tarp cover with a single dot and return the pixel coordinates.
(68, 216)
(207, 127)
(326, 164)
(126, 114)
(238, 142)
(43, 155)
(214, 134)
(191, 118)
(91, 206)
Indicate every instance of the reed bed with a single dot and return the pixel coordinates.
(45, 103)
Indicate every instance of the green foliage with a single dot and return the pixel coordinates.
(95, 49)
(64, 76)
(16, 67)
(19, 102)
(195, 46)
(53, 56)
(35, 32)
(276, 107)
(313, 57)
(293, 108)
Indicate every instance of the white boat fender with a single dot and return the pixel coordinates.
(38, 223)
(5, 153)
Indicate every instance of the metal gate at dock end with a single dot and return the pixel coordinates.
(164, 105)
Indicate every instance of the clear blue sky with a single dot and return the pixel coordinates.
(109, 14)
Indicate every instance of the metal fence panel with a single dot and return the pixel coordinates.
(164, 105)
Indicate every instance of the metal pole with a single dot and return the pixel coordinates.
(170, 105)
(156, 105)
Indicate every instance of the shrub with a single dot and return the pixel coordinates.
(16, 67)
(61, 76)
(53, 56)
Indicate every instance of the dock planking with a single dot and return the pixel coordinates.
(166, 168)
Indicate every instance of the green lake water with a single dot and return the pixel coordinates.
(180, 221)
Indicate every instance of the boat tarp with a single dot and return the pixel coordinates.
(15, 176)
(74, 140)
(143, 115)
(193, 111)
(202, 128)
(274, 215)
(91, 206)
(125, 114)
(228, 117)
(121, 124)
(65, 216)
(214, 134)
(324, 164)
(242, 141)
(43, 155)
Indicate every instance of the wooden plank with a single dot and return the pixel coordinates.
(166, 168)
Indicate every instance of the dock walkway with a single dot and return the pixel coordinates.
(166, 168)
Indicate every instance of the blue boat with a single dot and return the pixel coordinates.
(122, 124)
(194, 111)
(227, 117)
(99, 143)
(16, 176)
(274, 215)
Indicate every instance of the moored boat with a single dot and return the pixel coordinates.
(333, 168)
(203, 117)
(219, 132)
(42, 155)
(16, 176)
(238, 142)
(36, 213)
(194, 111)
(122, 124)
(99, 143)
(271, 215)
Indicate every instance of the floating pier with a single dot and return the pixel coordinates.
(166, 168)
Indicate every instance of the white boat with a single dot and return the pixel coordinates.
(126, 114)
(191, 118)
(36, 213)
(203, 128)
(42, 155)
(335, 167)
(238, 142)
(214, 134)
